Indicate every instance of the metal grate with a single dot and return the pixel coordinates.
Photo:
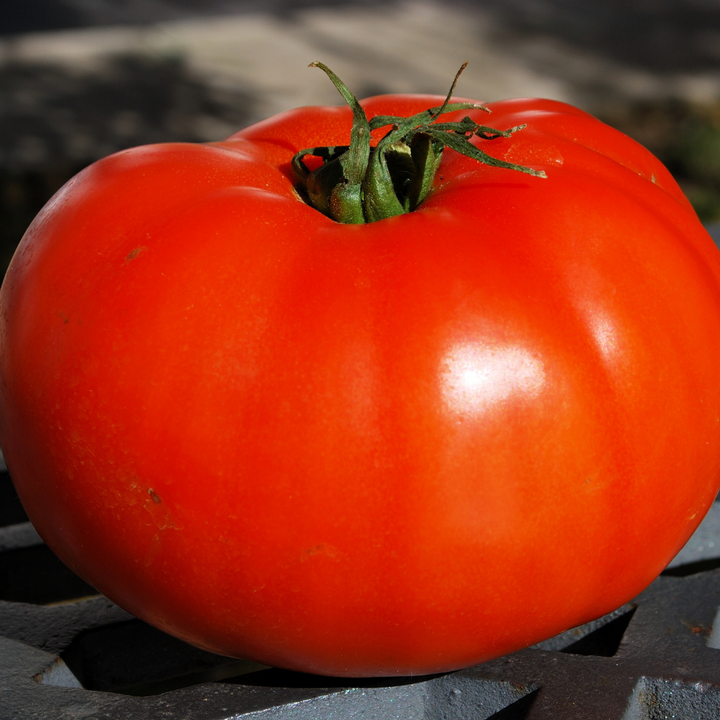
(65, 655)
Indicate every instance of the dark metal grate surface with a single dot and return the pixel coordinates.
(66, 653)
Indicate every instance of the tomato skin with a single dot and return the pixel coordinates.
(397, 448)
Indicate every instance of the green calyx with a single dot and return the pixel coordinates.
(357, 183)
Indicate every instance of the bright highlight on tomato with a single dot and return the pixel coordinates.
(393, 447)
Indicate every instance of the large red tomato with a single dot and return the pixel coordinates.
(400, 447)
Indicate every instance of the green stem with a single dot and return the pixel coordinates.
(357, 183)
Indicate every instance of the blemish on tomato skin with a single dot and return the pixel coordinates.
(135, 252)
(160, 513)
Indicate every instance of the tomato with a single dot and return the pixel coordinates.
(391, 448)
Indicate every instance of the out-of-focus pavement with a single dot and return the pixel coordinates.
(250, 59)
(403, 47)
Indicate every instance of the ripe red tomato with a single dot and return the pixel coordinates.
(395, 448)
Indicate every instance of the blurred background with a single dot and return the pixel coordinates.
(80, 79)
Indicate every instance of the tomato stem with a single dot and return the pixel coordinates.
(357, 183)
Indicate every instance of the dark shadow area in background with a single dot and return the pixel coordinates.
(54, 114)
(660, 36)
(22, 16)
